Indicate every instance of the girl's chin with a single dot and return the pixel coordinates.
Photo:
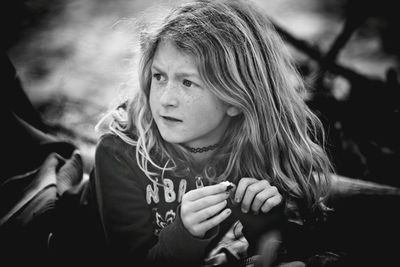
(172, 138)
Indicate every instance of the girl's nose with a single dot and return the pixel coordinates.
(169, 96)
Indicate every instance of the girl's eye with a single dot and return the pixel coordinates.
(187, 83)
(157, 76)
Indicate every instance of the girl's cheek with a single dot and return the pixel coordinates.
(189, 99)
(155, 92)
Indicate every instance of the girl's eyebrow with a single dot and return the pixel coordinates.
(186, 74)
(178, 74)
(156, 68)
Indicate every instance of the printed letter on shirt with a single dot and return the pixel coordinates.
(152, 193)
(169, 193)
(182, 189)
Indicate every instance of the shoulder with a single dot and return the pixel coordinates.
(113, 142)
(110, 144)
(110, 139)
(115, 161)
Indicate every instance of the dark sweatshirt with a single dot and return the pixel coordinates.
(141, 219)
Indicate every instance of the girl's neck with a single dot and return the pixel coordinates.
(202, 158)
(201, 155)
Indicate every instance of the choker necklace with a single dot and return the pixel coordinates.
(201, 149)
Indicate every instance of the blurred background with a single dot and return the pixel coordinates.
(73, 60)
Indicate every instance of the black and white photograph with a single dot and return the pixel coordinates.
(201, 133)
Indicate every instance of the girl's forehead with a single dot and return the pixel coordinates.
(168, 53)
(166, 46)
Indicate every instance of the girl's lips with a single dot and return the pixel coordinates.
(171, 119)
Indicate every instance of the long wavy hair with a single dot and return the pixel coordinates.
(243, 61)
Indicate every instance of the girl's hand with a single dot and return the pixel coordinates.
(201, 208)
(256, 195)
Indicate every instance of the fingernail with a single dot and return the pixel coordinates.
(237, 200)
(228, 211)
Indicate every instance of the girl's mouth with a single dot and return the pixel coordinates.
(171, 119)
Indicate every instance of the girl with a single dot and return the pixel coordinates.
(218, 100)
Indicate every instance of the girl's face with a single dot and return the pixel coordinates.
(184, 110)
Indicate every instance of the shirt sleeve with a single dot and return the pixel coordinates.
(126, 216)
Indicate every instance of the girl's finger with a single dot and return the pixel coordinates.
(241, 188)
(214, 221)
(251, 192)
(210, 211)
(263, 196)
(205, 191)
(208, 201)
(271, 202)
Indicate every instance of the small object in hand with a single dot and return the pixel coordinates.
(229, 185)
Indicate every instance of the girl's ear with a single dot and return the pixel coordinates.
(233, 111)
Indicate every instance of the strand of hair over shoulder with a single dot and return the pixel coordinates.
(142, 155)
